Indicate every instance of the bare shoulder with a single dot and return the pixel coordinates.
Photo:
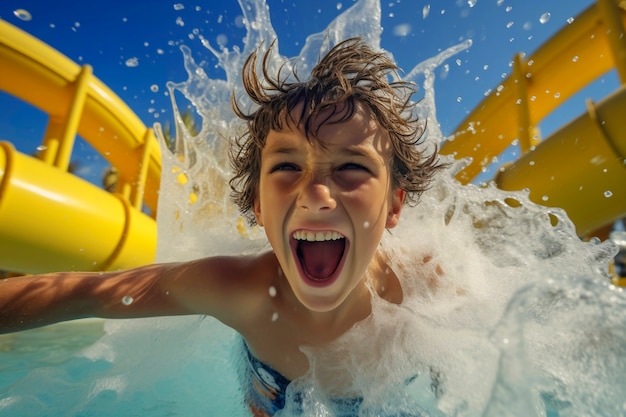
(229, 288)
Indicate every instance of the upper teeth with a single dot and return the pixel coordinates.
(316, 236)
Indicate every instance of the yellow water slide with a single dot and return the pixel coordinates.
(49, 219)
(581, 167)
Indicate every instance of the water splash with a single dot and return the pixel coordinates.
(521, 319)
(508, 257)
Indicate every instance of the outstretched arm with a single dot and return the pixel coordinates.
(33, 301)
(211, 286)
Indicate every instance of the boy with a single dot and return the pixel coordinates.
(324, 167)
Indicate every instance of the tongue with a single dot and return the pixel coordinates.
(320, 259)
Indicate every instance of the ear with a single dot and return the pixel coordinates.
(395, 208)
(257, 211)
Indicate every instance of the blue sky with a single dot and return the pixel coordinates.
(134, 48)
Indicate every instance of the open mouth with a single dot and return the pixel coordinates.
(319, 255)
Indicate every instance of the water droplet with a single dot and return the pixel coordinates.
(402, 30)
(608, 193)
(274, 316)
(426, 11)
(272, 291)
(127, 300)
(575, 58)
(221, 40)
(366, 225)
(179, 6)
(544, 198)
(339, 6)
(544, 18)
(42, 148)
(23, 14)
(570, 20)
(531, 163)
(472, 3)
(132, 62)
(154, 88)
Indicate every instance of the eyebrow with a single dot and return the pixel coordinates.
(357, 151)
(281, 150)
(283, 147)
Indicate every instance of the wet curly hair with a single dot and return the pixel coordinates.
(350, 73)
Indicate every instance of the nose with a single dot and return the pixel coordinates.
(316, 195)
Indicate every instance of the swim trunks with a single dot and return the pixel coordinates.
(265, 390)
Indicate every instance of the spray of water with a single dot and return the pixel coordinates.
(523, 318)
(506, 312)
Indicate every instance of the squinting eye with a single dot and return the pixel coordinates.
(351, 166)
(285, 167)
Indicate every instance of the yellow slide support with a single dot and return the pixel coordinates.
(50, 219)
(580, 167)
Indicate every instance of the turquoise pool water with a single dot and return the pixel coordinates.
(98, 368)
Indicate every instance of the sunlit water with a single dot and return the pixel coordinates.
(524, 321)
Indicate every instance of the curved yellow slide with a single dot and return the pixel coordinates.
(581, 167)
(49, 219)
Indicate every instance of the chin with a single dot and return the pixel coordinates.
(320, 300)
(322, 306)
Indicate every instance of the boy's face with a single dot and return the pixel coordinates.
(325, 203)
